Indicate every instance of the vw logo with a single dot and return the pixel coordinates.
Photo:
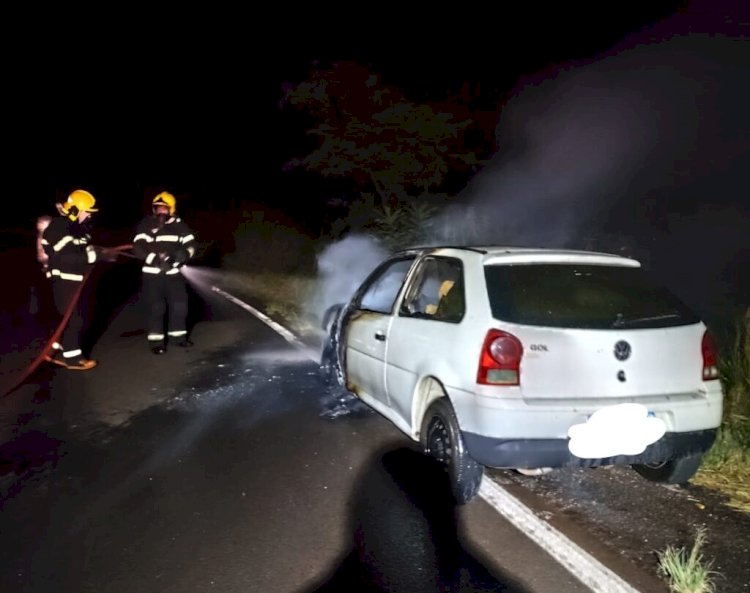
(622, 350)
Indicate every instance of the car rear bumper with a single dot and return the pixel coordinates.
(517, 418)
(535, 453)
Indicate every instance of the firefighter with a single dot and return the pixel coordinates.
(69, 254)
(165, 244)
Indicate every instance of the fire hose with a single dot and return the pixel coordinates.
(107, 252)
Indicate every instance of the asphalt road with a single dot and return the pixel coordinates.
(229, 467)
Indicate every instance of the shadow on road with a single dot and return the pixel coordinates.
(404, 534)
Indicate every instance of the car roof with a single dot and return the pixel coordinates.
(505, 254)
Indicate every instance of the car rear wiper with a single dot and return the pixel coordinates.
(622, 322)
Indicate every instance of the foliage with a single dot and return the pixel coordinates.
(283, 296)
(734, 369)
(384, 143)
(726, 467)
(687, 573)
(734, 372)
(404, 225)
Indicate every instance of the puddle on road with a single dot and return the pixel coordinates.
(336, 405)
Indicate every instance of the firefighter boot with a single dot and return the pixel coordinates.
(82, 364)
(78, 364)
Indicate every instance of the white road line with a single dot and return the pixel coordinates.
(278, 328)
(580, 563)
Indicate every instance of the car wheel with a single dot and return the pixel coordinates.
(674, 471)
(441, 438)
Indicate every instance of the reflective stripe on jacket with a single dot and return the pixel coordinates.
(67, 244)
(165, 248)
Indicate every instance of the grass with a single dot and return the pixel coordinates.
(726, 466)
(284, 297)
(687, 572)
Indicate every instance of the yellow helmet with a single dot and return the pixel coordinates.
(79, 201)
(165, 199)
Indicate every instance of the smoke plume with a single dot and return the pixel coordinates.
(639, 125)
(643, 151)
(342, 267)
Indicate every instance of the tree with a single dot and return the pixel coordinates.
(385, 144)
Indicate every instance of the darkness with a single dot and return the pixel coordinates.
(189, 101)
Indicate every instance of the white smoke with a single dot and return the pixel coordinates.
(342, 267)
(572, 145)
(629, 145)
(649, 143)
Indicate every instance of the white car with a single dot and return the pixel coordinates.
(530, 359)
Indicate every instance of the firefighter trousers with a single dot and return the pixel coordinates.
(65, 295)
(165, 296)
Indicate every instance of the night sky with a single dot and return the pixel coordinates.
(189, 100)
(629, 118)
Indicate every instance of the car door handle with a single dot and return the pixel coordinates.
(380, 336)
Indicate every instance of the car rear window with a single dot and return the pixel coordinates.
(582, 296)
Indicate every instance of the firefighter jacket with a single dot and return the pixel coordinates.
(67, 244)
(164, 248)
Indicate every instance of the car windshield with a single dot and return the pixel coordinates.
(582, 296)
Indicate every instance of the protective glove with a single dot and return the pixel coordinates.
(92, 253)
(164, 262)
(181, 258)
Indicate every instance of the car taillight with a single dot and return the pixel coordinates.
(710, 359)
(500, 360)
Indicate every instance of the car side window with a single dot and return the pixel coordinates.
(438, 292)
(383, 289)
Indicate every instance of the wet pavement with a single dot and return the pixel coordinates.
(229, 466)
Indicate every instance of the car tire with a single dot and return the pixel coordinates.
(674, 471)
(441, 437)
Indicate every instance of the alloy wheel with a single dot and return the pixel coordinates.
(439, 442)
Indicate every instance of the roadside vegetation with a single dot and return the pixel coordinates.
(687, 572)
(727, 465)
